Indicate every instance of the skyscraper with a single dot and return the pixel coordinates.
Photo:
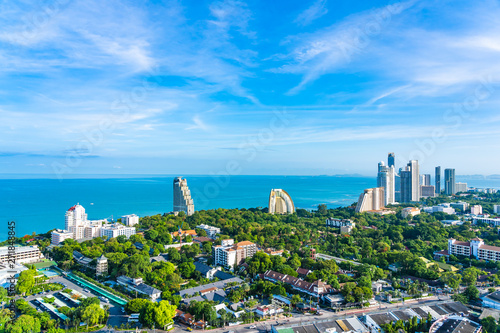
(386, 179)
(370, 199)
(182, 197)
(280, 202)
(410, 184)
(425, 180)
(390, 160)
(449, 181)
(438, 180)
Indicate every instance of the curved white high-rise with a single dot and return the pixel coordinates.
(182, 197)
(280, 202)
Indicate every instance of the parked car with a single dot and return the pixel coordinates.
(253, 326)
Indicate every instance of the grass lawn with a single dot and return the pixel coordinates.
(44, 264)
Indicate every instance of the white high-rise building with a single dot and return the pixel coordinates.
(182, 197)
(371, 199)
(75, 216)
(280, 202)
(386, 179)
(130, 220)
(78, 225)
(496, 209)
(461, 187)
(415, 183)
(476, 210)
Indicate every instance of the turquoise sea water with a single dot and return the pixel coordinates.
(40, 204)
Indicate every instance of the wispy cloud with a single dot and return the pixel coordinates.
(312, 13)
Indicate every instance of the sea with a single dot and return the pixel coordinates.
(39, 204)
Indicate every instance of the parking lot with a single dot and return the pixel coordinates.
(116, 316)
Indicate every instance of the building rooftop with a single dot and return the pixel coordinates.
(382, 318)
(218, 285)
(439, 310)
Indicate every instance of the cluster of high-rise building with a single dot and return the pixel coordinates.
(405, 185)
(78, 227)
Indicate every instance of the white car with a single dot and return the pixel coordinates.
(253, 326)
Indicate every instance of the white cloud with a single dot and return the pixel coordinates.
(312, 13)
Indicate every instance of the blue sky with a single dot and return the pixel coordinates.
(256, 87)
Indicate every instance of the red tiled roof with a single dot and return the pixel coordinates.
(490, 247)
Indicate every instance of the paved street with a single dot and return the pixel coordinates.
(307, 318)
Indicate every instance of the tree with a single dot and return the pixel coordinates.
(26, 281)
(92, 314)
(3, 294)
(186, 269)
(470, 275)
(451, 279)
(296, 299)
(147, 315)
(472, 293)
(489, 324)
(164, 313)
(25, 324)
(136, 305)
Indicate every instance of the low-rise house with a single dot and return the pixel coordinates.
(208, 289)
(210, 230)
(266, 311)
(316, 288)
(136, 285)
(303, 272)
(492, 300)
(273, 252)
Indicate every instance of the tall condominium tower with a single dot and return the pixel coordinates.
(390, 159)
(438, 180)
(410, 185)
(370, 199)
(386, 179)
(449, 181)
(280, 202)
(75, 216)
(182, 197)
(425, 180)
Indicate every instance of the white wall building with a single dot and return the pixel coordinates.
(130, 220)
(230, 255)
(58, 236)
(280, 202)
(211, 231)
(371, 199)
(488, 220)
(21, 254)
(461, 187)
(445, 208)
(386, 179)
(182, 197)
(475, 248)
(476, 210)
(496, 209)
(410, 211)
(116, 229)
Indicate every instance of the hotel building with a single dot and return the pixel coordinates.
(475, 248)
(21, 254)
(230, 255)
(116, 229)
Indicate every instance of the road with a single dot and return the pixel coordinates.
(305, 319)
